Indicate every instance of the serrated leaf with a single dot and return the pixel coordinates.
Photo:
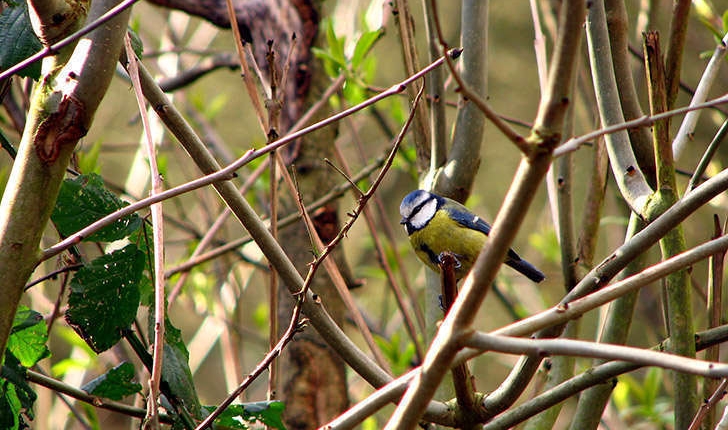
(115, 384)
(27, 341)
(17, 40)
(236, 416)
(16, 396)
(105, 296)
(84, 200)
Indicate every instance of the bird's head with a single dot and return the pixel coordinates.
(417, 209)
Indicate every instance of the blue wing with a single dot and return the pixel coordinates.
(468, 220)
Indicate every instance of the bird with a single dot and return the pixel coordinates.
(436, 224)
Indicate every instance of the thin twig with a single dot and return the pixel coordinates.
(322, 252)
(158, 247)
(704, 162)
(645, 121)
(294, 327)
(244, 69)
(404, 306)
(53, 275)
(580, 348)
(709, 404)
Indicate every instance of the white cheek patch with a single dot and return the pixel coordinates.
(424, 215)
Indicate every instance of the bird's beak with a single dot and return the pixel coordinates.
(403, 221)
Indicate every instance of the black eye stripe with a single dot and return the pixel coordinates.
(419, 207)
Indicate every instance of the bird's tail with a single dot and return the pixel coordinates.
(527, 269)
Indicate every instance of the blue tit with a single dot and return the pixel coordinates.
(437, 224)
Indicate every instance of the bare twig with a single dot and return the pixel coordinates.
(152, 420)
(294, 327)
(244, 69)
(645, 121)
(579, 348)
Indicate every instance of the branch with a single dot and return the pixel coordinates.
(630, 179)
(592, 377)
(687, 127)
(574, 143)
(579, 348)
(675, 48)
(677, 284)
(158, 241)
(455, 177)
(562, 313)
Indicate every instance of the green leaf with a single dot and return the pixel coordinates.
(332, 65)
(336, 44)
(353, 92)
(105, 296)
(235, 416)
(16, 396)
(27, 341)
(84, 200)
(88, 160)
(175, 368)
(364, 45)
(136, 42)
(142, 238)
(17, 40)
(401, 360)
(115, 384)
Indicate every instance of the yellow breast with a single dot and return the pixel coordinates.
(443, 234)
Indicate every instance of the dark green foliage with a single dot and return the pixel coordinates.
(235, 416)
(84, 200)
(105, 296)
(17, 40)
(175, 368)
(115, 384)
